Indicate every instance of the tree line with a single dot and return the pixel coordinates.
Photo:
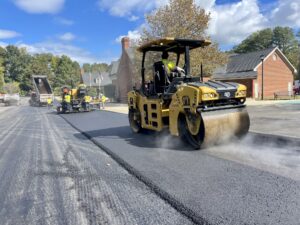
(17, 66)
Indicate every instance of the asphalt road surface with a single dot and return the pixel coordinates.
(244, 182)
(281, 119)
(51, 174)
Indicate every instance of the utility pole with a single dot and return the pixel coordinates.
(99, 84)
(90, 79)
(262, 57)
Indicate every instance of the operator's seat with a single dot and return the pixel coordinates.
(161, 80)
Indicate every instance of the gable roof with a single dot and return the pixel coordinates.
(245, 65)
(92, 79)
(114, 68)
(246, 62)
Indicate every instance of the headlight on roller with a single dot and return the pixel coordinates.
(209, 95)
(241, 94)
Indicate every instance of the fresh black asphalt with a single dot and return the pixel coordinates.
(220, 185)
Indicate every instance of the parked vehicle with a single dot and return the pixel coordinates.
(10, 99)
(43, 91)
(297, 87)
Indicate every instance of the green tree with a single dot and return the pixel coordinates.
(2, 53)
(2, 70)
(25, 71)
(99, 67)
(11, 88)
(41, 64)
(95, 67)
(12, 63)
(168, 21)
(64, 72)
(258, 40)
(17, 64)
(76, 75)
(2, 67)
(283, 37)
(53, 66)
(86, 67)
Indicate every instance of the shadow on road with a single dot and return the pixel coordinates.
(148, 139)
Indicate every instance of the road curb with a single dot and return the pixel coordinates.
(181, 208)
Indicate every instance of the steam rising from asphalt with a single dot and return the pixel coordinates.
(167, 141)
(266, 155)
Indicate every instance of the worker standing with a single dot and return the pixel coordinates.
(67, 98)
(86, 102)
(49, 102)
(103, 100)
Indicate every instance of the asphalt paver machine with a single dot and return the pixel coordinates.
(74, 100)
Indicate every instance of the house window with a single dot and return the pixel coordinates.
(274, 57)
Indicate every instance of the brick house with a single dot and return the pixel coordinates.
(123, 77)
(247, 69)
(103, 79)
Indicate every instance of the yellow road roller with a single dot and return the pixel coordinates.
(202, 113)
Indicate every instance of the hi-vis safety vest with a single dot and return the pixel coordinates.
(103, 99)
(81, 86)
(68, 98)
(87, 98)
(169, 65)
(49, 101)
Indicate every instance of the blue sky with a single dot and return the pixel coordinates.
(88, 31)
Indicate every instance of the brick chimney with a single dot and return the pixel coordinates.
(125, 43)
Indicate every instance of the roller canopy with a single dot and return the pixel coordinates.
(175, 45)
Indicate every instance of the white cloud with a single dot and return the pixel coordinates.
(231, 23)
(128, 8)
(205, 4)
(40, 6)
(287, 13)
(67, 36)
(3, 44)
(6, 34)
(133, 18)
(133, 35)
(74, 52)
(64, 21)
